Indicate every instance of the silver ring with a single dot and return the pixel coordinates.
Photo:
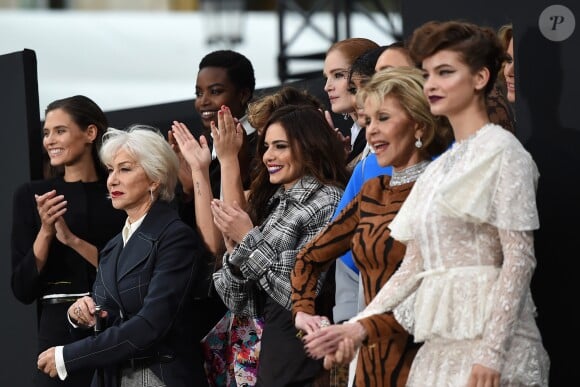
(324, 323)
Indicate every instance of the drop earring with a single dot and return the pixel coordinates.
(151, 193)
(345, 116)
(418, 143)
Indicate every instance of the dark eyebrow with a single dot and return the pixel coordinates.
(212, 85)
(276, 142)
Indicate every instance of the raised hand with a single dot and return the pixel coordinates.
(197, 154)
(184, 172)
(345, 140)
(50, 207)
(228, 136)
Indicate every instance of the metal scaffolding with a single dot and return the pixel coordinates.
(378, 12)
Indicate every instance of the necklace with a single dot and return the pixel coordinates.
(409, 174)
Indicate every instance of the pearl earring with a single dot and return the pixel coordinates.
(418, 143)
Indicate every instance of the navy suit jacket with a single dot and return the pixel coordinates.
(146, 288)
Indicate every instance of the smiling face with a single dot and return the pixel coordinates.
(213, 89)
(336, 68)
(450, 84)
(129, 186)
(509, 73)
(391, 133)
(278, 157)
(65, 142)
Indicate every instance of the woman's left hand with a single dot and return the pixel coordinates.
(47, 362)
(228, 136)
(343, 356)
(482, 376)
(63, 233)
(231, 220)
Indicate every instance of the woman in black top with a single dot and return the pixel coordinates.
(60, 223)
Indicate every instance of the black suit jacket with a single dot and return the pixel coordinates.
(359, 145)
(146, 287)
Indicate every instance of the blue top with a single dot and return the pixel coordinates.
(364, 170)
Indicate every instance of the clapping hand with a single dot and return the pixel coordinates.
(196, 154)
(231, 220)
(50, 207)
(228, 136)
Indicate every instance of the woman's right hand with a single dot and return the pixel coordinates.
(184, 173)
(344, 140)
(50, 207)
(233, 222)
(197, 154)
(308, 323)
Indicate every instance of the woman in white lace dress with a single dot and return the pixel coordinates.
(468, 225)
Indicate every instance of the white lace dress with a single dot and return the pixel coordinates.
(464, 285)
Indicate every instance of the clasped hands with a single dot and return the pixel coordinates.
(51, 207)
(336, 343)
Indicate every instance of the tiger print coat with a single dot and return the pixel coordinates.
(385, 357)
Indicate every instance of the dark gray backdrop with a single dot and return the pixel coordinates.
(19, 114)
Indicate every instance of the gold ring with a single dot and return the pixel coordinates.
(78, 310)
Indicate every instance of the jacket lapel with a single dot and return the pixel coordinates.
(137, 250)
(107, 270)
(141, 244)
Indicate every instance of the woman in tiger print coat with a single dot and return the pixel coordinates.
(404, 134)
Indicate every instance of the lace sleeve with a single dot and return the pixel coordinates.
(510, 295)
(398, 287)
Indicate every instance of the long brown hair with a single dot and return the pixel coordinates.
(312, 141)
